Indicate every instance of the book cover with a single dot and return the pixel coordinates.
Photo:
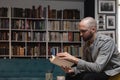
(60, 62)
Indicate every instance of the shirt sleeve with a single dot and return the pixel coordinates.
(106, 49)
(76, 71)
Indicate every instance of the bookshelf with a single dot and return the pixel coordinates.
(39, 31)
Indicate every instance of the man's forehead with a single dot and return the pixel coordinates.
(82, 26)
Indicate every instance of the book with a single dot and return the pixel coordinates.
(60, 62)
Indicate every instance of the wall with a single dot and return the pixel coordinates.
(104, 25)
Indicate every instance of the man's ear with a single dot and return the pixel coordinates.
(94, 29)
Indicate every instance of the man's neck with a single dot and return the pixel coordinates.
(92, 39)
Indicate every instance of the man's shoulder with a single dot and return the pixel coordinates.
(103, 40)
(103, 37)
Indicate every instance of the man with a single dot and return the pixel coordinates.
(101, 58)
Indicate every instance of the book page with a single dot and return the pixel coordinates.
(60, 62)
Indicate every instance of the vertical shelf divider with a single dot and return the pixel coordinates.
(10, 48)
(47, 37)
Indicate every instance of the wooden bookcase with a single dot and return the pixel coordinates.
(40, 31)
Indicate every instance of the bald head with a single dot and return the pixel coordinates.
(89, 22)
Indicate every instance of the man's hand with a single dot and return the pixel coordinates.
(68, 57)
(67, 69)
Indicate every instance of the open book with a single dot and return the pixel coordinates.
(60, 62)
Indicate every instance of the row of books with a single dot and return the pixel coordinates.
(28, 36)
(33, 12)
(3, 12)
(71, 14)
(32, 24)
(40, 50)
(64, 36)
(29, 24)
(4, 49)
(33, 50)
(74, 50)
(18, 24)
(4, 23)
(63, 25)
(63, 14)
(52, 25)
(20, 51)
(38, 36)
(53, 50)
(4, 35)
(39, 24)
(40, 12)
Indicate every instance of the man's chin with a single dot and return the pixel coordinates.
(85, 40)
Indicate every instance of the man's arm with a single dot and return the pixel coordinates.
(105, 52)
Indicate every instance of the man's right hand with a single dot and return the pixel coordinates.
(67, 69)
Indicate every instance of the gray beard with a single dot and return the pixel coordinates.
(88, 38)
